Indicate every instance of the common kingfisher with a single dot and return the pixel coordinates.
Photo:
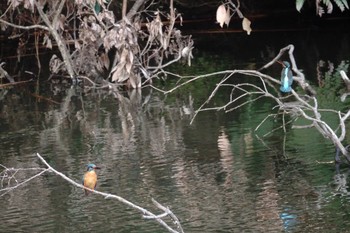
(90, 177)
(286, 77)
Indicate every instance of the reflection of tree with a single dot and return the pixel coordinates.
(268, 207)
(80, 124)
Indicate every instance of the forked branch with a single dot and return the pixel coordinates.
(294, 104)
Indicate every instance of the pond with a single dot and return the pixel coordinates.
(217, 174)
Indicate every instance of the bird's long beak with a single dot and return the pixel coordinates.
(97, 167)
(281, 63)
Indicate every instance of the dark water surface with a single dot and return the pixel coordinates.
(216, 175)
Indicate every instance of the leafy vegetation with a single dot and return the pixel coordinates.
(321, 4)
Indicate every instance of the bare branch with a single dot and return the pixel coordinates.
(9, 175)
(24, 27)
(134, 9)
(346, 79)
(294, 104)
(60, 42)
(145, 212)
(300, 78)
(3, 73)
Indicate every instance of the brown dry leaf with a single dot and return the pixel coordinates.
(223, 15)
(47, 42)
(61, 22)
(119, 74)
(115, 76)
(128, 67)
(105, 60)
(246, 25)
(123, 56)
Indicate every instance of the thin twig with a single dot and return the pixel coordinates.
(8, 189)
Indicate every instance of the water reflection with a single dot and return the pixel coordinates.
(215, 174)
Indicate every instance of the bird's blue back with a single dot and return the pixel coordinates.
(286, 78)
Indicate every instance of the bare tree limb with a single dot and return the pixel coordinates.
(3, 73)
(24, 27)
(134, 9)
(9, 175)
(294, 104)
(59, 40)
(124, 201)
(346, 79)
(300, 78)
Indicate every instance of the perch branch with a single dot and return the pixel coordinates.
(300, 76)
(120, 199)
(304, 106)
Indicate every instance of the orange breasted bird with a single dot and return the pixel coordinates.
(90, 177)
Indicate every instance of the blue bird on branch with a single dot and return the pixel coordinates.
(286, 77)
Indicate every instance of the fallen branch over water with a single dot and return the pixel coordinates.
(8, 175)
(296, 105)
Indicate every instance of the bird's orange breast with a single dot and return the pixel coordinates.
(90, 179)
